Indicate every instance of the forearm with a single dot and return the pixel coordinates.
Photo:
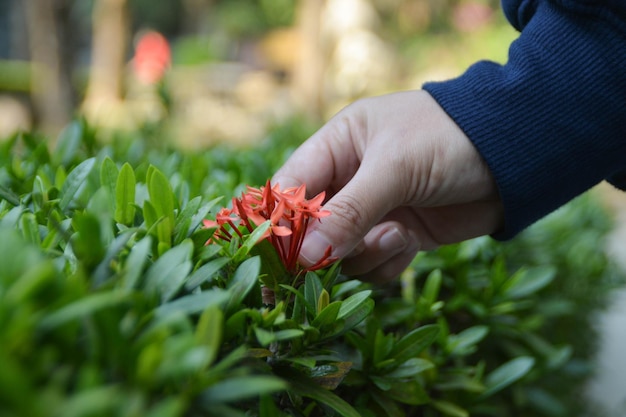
(550, 123)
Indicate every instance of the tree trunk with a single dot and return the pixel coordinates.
(308, 78)
(51, 86)
(108, 57)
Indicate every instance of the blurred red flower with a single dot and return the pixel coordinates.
(152, 57)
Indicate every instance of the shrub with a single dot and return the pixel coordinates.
(112, 303)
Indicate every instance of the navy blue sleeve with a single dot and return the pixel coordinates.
(551, 122)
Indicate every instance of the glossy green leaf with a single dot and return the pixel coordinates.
(68, 143)
(125, 195)
(30, 228)
(242, 388)
(507, 374)
(312, 292)
(383, 344)
(137, 259)
(266, 337)
(414, 342)
(432, 286)
(251, 240)
(168, 273)
(465, 342)
(93, 401)
(8, 195)
(353, 303)
(108, 174)
(353, 317)
(245, 278)
(528, 281)
(267, 407)
(194, 303)
(305, 387)
(74, 182)
(328, 315)
(205, 273)
(449, 409)
(83, 307)
(161, 196)
(411, 368)
(209, 331)
(409, 392)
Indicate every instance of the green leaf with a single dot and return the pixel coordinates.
(305, 387)
(74, 182)
(245, 278)
(323, 301)
(273, 270)
(353, 303)
(183, 219)
(205, 273)
(267, 408)
(82, 307)
(328, 315)
(162, 199)
(68, 143)
(161, 195)
(382, 346)
(413, 343)
(194, 303)
(528, 281)
(507, 374)
(312, 292)
(94, 401)
(209, 331)
(135, 262)
(355, 315)
(251, 240)
(150, 216)
(449, 409)
(9, 195)
(30, 228)
(242, 388)
(464, 343)
(432, 286)
(168, 273)
(411, 368)
(125, 195)
(265, 337)
(109, 174)
(408, 392)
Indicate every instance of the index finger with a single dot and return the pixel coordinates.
(324, 162)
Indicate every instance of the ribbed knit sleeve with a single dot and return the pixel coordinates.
(551, 122)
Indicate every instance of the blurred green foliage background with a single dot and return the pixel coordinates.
(236, 68)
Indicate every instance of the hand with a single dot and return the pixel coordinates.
(400, 176)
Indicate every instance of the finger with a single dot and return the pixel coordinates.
(326, 161)
(390, 269)
(378, 257)
(355, 210)
(382, 243)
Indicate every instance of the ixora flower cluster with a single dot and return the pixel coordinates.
(289, 213)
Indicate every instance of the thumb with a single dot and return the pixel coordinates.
(355, 209)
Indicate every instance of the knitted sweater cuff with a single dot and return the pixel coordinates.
(550, 123)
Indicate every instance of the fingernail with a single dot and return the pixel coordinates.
(314, 247)
(393, 241)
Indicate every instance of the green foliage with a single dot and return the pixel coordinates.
(112, 303)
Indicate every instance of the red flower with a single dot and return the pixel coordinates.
(289, 214)
(152, 57)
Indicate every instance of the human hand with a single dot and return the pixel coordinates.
(400, 176)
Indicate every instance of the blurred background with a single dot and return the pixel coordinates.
(226, 70)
